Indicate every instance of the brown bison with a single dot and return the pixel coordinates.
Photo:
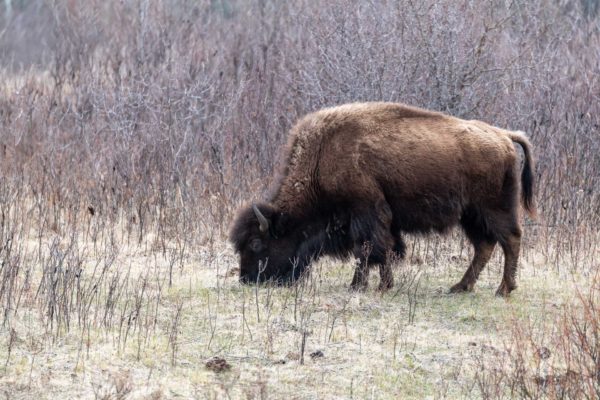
(355, 177)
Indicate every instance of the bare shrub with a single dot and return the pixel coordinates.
(156, 121)
(116, 386)
(563, 363)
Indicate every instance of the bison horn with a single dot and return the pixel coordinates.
(264, 222)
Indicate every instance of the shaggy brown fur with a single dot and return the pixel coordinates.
(364, 173)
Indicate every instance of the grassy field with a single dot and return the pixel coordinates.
(313, 340)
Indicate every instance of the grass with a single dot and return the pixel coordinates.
(415, 341)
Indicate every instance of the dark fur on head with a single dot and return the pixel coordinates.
(286, 249)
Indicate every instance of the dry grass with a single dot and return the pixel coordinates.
(414, 341)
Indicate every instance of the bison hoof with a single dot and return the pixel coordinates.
(461, 287)
(385, 286)
(357, 287)
(505, 289)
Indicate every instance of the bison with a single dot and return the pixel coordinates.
(355, 177)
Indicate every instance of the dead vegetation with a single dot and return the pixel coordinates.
(127, 142)
(551, 359)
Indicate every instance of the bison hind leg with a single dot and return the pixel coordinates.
(511, 245)
(475, 225)
(483, 252)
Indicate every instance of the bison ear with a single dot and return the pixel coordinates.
(281, 224)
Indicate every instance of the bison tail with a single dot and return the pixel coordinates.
(527, 177)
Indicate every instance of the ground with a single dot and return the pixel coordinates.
(313, 340)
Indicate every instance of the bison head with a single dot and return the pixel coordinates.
(267, 242)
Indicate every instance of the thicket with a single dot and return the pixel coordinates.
(166, 115)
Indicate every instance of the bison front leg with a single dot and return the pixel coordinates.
(367, 257)
(361, 276)
(369, 253)
(386, 277)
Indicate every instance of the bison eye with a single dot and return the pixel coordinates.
(256, 245)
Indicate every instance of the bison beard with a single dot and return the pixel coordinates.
(357, 176)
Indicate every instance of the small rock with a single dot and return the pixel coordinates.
(490, 349)
(217, 364)
(317, 354)
(416, 260)
(472, 344)
(544, 353)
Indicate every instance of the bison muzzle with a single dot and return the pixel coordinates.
(354, 178)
